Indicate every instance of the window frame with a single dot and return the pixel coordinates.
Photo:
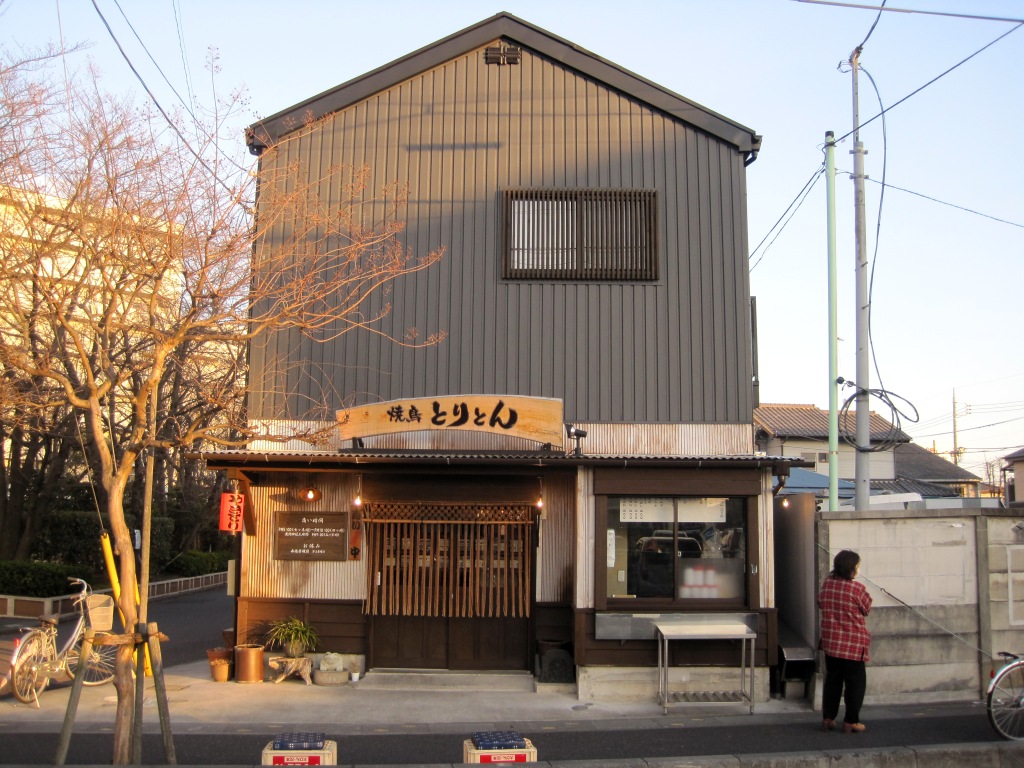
(607, 234)
(750, 601)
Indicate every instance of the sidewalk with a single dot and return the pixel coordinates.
(198, 705)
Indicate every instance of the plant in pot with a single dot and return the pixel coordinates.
(293, 635)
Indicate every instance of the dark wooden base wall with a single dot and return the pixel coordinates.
(343, 628)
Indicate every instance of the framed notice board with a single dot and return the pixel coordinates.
(311, 536)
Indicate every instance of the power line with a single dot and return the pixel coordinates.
(934, 79)
(794, 206)
(156, 103)
(972, 429)
(909, 10)
(943, 202)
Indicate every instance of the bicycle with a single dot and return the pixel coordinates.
(36, 659)
(1006, 698)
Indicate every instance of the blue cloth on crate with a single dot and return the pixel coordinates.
(301, 740)
(498, 740)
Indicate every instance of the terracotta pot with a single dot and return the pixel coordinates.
(220, 670)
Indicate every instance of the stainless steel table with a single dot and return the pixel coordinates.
(732, 626)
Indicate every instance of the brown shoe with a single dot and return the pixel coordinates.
(854, 728)
(828, 725)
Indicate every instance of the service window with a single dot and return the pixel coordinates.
(683, 550)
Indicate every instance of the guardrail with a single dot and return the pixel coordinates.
(20, 607)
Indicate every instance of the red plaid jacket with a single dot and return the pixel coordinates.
(844, 605)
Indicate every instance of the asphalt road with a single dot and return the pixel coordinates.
(395, 749)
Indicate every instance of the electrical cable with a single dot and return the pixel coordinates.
(797, 202)
(156, 103)
(875, 24)
(188, 107)
(943, 202)
(934, 79)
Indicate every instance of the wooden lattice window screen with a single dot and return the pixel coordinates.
(448, 560)
(580, 234)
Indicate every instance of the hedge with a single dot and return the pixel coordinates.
(39, 579)
(194, 563)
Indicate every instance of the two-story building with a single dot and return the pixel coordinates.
(575, 459)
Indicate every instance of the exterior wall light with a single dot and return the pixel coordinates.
(358, 500)
(576, 434)
(310, 494)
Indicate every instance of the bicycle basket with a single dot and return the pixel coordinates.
(101, 612)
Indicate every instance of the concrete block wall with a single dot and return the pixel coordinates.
(941, 590)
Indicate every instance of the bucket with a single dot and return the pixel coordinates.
(249, 663)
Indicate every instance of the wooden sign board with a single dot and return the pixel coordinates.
(534, 418)
(311, 536)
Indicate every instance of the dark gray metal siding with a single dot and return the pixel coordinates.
(673, 350)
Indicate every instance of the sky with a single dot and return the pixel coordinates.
(945, 242)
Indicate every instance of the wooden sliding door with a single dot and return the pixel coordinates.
(449, 585)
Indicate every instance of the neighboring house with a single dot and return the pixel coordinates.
(1014, 466)
(897, 467)
(918, 470)
(545, 482)
(802, 431)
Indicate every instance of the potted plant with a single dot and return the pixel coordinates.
(293, 635)
(221, 660)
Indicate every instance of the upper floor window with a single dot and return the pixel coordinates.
(580, 234)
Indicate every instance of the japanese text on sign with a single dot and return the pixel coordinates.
(320, 536)
(534, 418)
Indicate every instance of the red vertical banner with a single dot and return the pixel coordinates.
(231, 508)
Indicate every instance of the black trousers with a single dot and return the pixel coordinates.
(843, 674)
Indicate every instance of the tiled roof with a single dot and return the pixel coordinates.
(917, 462)
(812, 422)
(909, 485)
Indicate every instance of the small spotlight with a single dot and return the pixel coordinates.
(576, 434)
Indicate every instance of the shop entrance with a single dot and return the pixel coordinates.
(449, 585)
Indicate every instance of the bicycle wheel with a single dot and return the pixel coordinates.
(26, 682)
(1005, 706)
(99, 667)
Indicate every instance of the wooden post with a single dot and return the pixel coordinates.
(156, 659)
(76, 693)
(140, 693)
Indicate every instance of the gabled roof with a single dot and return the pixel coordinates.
(914, 461)
(507, 27)
(811, 422)
(1015, 456)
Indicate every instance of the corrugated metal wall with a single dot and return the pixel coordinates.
(263, 576)
(674, 350)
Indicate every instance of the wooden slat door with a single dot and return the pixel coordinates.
(453, 575)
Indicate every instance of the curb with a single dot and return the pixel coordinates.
(999, 755)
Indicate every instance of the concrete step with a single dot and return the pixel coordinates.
(445, 680)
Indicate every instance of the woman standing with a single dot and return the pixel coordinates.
(844, 604)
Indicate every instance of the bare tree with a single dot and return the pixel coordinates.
(128, 292)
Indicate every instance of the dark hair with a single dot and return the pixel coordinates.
(845, 564)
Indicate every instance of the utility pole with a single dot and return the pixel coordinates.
(862, 481)
(833, 333)
(956, 444)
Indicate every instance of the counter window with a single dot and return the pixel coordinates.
(679, 549)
